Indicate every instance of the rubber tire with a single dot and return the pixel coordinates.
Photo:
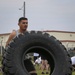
(42, 43)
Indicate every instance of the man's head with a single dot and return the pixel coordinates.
(23, 23)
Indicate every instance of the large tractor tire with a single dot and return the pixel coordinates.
(42, 43)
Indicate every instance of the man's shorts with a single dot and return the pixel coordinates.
(43, 57)
(29, 65)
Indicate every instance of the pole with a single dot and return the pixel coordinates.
(24, 10)
(1, 47)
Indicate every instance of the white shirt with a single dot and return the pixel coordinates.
(38, 60)
(73, 60)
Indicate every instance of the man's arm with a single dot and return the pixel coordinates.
(11, 36)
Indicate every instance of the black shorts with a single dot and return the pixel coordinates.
(29, 65)
(43, 57)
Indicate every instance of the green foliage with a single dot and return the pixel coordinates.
(0, 58)
(71, 52)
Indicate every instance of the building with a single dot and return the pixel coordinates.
(67, 38)
(3, 39)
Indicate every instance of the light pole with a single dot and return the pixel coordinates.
(23, 9)
(1, 45)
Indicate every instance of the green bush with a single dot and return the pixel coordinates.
(0, 58)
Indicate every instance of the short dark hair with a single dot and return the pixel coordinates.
(22, 18)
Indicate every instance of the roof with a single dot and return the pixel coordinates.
(67, 40)
(59, 31)
(46, 31)
(4, 34)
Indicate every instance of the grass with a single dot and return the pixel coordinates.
(38, 71)
(73, 73)
(0, 73)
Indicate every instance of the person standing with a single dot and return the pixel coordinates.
(36, 55)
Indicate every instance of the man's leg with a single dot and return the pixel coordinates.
(30, 67)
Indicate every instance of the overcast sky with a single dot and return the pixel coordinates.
(42, 14)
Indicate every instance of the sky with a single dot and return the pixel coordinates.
(41, 14)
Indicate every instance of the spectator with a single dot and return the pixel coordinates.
(44, 65)
(36, 55)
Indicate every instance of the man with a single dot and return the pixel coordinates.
(23, 25)
(36, 56)
(44, 64)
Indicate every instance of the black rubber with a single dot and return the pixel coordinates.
(42, 43)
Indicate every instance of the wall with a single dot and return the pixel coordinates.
(67, 38)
